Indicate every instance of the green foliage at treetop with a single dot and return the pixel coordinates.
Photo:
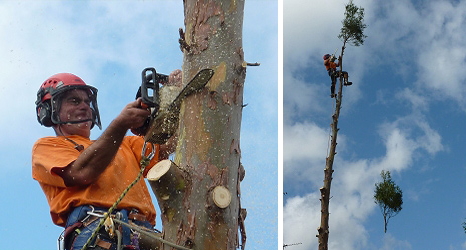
(353, 25)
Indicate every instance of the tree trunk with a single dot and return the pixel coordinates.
(198, 193)
(385, 221)
(328, 171)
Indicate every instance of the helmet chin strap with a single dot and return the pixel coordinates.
(74, 122)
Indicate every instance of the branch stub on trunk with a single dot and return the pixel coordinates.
(221, 196)
(158, 170)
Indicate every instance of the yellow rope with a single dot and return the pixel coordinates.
(144, 162)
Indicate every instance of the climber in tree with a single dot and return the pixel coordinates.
(82, 178)
(331, 66)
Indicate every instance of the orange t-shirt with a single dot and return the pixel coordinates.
(330, 65)
(50, 153)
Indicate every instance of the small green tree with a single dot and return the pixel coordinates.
(389, 197)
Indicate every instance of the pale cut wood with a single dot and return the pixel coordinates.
(158, 170)
(166, 180)
(221, 196)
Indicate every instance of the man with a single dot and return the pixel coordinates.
(331, 67)
(82, 178)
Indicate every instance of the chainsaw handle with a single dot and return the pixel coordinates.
(149, 82)
(149, 93)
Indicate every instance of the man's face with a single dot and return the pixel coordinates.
(75, 106)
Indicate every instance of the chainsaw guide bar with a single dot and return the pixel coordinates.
(165, 122)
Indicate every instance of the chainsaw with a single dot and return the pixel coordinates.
(332, 57)
(163, 121)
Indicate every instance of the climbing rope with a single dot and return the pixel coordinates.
(145, 160)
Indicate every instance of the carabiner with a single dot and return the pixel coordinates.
(61, 241)
(151, 154)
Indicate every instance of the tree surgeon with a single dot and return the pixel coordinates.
(82, 178)
(331, 67)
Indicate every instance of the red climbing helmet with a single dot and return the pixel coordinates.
(326, 56)
(48, 99)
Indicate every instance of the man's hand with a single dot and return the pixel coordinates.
(133, 115)
(174, 79)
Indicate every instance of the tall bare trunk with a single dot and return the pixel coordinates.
(328, 171)
(199, 195)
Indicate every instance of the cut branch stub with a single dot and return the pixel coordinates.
(221, 196)
(241, 172)
(158, 170)
(166, 179)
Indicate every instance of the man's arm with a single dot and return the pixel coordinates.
(95, 159)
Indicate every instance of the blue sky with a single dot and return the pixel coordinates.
(404, 113)
(108, 43)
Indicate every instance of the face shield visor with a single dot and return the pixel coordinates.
(57, 96)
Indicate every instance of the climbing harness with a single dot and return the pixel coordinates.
(144, 162)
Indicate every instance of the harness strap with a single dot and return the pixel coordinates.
(72, 228)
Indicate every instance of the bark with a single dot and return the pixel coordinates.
(328, 171)
(198, 193)
(385, 223)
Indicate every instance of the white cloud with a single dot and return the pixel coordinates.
(417, 101)
(353, 183)
(309, 32)
(24, 68)
(305, 141)
(301, 216)
(301, 97)
(442, 51)
(304, 150)
(424, 41)
(440, 69)
(390, 243)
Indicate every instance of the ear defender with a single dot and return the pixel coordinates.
(44, 114)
